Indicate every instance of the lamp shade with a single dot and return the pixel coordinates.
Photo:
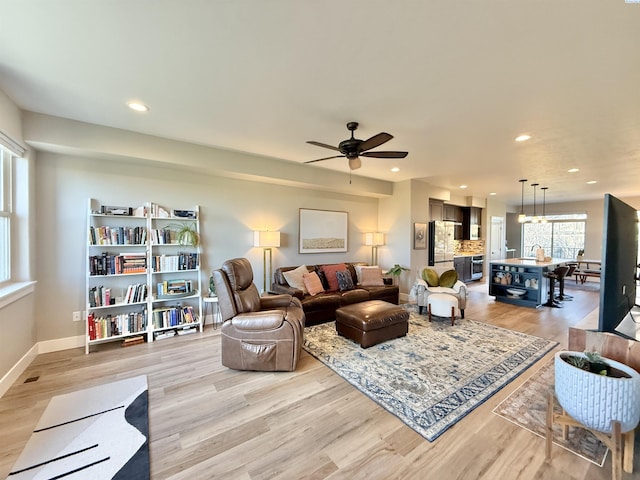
(266, 238)
(374, 239)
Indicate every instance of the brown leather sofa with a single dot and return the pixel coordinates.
(258, 333)
(322, 307)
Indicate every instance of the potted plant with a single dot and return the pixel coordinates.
(186, 233)
(595, 390)
(396, 271)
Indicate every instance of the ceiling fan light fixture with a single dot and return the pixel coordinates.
(355, 163)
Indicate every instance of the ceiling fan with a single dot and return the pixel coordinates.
(354, 148)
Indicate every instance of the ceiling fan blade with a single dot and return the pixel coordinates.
(375, 141)
(318, 144)
(385, 154)
(326, 158)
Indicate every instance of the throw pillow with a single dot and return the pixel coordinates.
(313, 283)
(330, 274)
(372, 277)
(430, 276)
(345, 280)
(449, 278)
(359, 269)
(294, 278)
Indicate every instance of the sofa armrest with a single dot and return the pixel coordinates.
(287, 290)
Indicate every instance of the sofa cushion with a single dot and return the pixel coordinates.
(294, 278)
(448, 279)
(359, 268)
(431, 277)
(345, 280)
(313, 283)
(372, 277)
(330, 274)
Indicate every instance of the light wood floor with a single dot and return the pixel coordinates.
(207, 421)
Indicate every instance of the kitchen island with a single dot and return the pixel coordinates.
(522, 281)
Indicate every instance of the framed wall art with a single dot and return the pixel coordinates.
(323, 231)
(419, 236)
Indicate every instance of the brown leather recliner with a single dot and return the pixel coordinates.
(258, 333)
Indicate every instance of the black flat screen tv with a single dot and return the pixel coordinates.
(619, 261)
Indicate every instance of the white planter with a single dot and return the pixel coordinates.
(596, 400)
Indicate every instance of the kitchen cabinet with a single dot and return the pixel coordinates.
(436, 210)
(471, 223)
(462, 265)
(452, 213)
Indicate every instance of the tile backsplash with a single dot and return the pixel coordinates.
(469, 246)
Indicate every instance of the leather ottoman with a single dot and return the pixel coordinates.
(369, 323)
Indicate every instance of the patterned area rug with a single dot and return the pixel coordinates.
(527, 408)
(96, 433)
(435, 375)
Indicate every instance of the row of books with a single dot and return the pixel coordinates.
(100, 296)
(115, 264)
(169, 287)
(173, 316)
(106, 235)
(172, 263)
(113, 325)
(163, 236)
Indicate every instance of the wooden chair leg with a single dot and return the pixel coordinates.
(429, 309)
(629, 439)
(616, 451)
(453, 315)
(549, 429)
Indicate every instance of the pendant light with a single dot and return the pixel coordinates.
(534, 219)
(522, 217)
(544, 202)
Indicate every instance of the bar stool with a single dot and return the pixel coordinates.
(562, 273)
(556, 275)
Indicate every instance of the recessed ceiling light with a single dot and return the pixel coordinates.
(493, 193)
(395, 169)
(463, 186)
(523, 138)
(137, 106)
(591, 182)
(573, 170)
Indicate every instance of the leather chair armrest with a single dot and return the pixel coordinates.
(274, 301)
(258, 321)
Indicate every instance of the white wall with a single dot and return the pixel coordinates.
(230, 210)
(17, 318)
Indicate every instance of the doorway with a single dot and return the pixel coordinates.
(498, 239)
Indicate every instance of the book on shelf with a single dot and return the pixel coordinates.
(173, 316)
(172, 263)
(106, 235)
(114, 325)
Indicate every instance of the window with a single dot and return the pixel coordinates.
(5, 214)
(561, 237)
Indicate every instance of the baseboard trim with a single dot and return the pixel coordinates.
(14, 373)
(46, 346)
(58, 344)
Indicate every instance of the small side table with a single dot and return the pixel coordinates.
(210, 302)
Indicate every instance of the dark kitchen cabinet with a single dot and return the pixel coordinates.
(462, 265)
(471, 223)
(436, 210)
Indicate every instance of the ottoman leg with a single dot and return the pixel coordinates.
(453, 315)
(429, 308)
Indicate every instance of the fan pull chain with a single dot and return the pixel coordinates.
(349, 177)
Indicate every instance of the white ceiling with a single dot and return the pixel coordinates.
(454, 82)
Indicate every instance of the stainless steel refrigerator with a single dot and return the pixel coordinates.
(441, 243)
